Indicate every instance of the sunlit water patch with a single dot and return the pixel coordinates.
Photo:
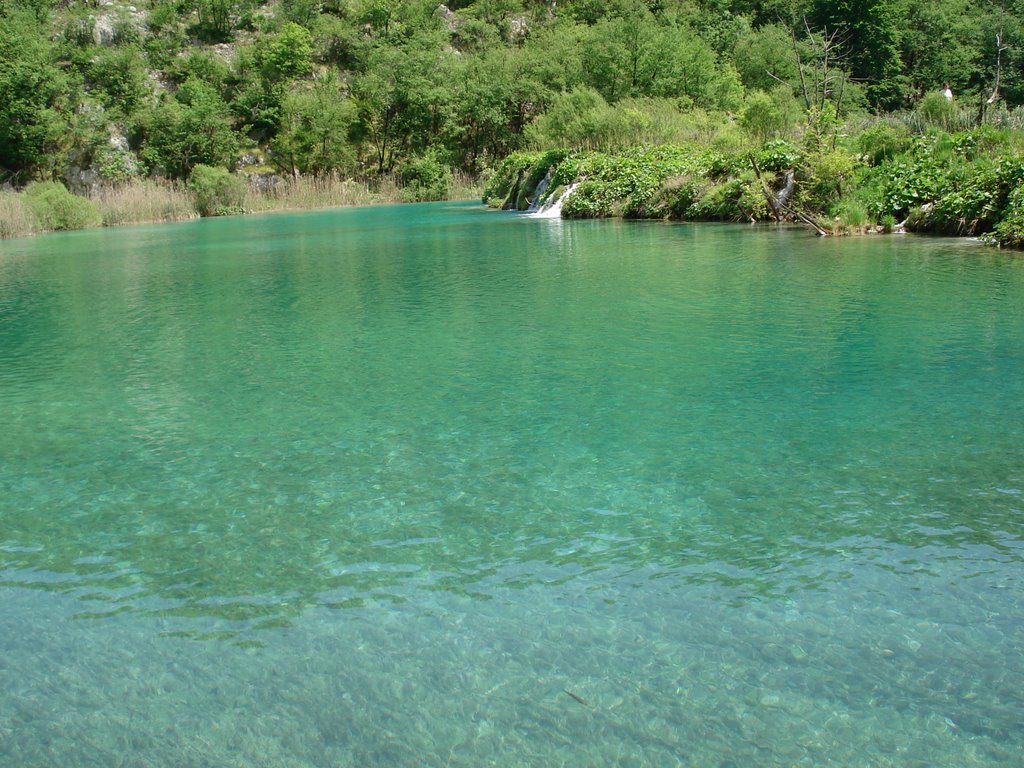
(436, 486)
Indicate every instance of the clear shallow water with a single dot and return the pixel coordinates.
(383, 487)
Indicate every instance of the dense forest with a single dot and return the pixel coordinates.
(102, 92)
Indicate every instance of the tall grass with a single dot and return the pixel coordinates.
(317, 192)
(308, 192)
(465, 186)
(16, 218)
(143, 201)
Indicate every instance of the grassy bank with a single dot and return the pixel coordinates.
(963, 183)
(146, 201)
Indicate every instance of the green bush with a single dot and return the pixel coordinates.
(681, 193)
(1010, 231)
(425, 178)
(57, 209)
(882, 142)
(852, 213)
(505, 186)
(719, 202)
(217, 192)
(936, 111)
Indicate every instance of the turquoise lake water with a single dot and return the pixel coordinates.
(439, 486)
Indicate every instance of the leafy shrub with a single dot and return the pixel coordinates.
(426, 178)
(79, 31)
(778, 155)
(936, 111)
(719, 202)
(824, 176)
(681, 193)
(763, 117)
(56, 208)
(751, 202)
(120, 77)
(882, 142)
(972, 198)
(1010, 231)
(217, 192)
(592, 200)
(288, 54)
(114, 166)
(909, 181)
(505, 187)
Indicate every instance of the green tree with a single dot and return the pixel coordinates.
(287, 55)
(869, 35)
(118, 76)
(193, 128)
(939, 44)
(402, 101)
(765, 57)
(489, 106)
(34, 98)
(314, 128)
(634, 55)
(573, 120)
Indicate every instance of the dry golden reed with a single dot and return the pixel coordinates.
(16, 218)
(143, 201)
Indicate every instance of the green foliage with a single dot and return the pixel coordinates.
(425, 178)
(513, 185)
(871, 34)
(192, 129)
(764, 57)
(114, 167)
(959, 184)
(119, 76)
(882, 141)
(401, 101)
(719, 202)
(372, 87)
(1010, 230)
(636, 55)
(216, 19)
(681, 193)
(34, 103)
(57, 209)
(574, 119)
(936, 111)
(769, 115)
(204, 66)
(217, 192)
(825, 176)
(777, 156)
(852, 213)
(313, 132)
(287, 55)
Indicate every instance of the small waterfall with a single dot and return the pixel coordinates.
(552, 209)
(542, 187)
(786, 192)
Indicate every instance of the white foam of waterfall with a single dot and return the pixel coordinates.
(538, 193)
(552, 209)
